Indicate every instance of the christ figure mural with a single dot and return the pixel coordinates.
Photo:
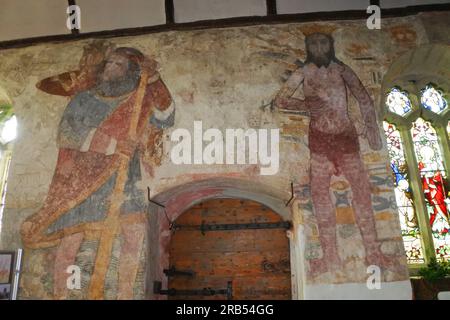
(334, 145)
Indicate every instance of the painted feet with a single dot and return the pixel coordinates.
(323, 265)
(379, 259)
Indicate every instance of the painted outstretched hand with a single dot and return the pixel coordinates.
(291, 104)
(281, 102)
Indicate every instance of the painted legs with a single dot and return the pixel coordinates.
(355, 173)
(131, 248)
(132, 242)
(353, 169)
(65, 256)
(324, 210)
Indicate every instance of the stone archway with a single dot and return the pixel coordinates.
(6, 113)
(179, 199)
(418, 67)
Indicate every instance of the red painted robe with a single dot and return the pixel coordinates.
(433, 188)
(82, 171)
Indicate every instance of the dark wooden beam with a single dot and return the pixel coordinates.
(170, 12)
(72, 3)
(271, 6)
(224, 23)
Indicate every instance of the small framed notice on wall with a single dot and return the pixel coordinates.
(6, 274)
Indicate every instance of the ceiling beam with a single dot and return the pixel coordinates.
(271, 6)
(170, 12)
(229, 22)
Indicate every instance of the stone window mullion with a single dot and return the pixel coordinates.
(418, 195)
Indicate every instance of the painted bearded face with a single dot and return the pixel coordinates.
(319, 48)
(116, 67)
(119, 76)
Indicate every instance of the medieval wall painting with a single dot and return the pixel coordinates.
(108, 135)
(340, 185)
(117, 118)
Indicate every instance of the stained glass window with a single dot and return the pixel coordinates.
(434, 183)
(425, 222)
(432, 99)
(398, 102)
(403, 195)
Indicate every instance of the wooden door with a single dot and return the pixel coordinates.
(256, 261)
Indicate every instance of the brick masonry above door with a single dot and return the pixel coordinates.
(255, 261)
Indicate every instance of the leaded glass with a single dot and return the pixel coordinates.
(398, 102)
(403, 195)
(432, 99)
(434, 183)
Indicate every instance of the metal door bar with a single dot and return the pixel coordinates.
(234, 226)
(157, 289)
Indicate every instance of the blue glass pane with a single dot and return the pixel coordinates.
(398, 102)
(432, 99)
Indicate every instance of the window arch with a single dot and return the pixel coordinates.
(8, 130)
(417, 129)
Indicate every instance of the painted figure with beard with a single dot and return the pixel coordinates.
(109, 137)
(334, 146)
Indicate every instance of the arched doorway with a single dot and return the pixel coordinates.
(229, 248)
(174, 201)
(8, 132)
